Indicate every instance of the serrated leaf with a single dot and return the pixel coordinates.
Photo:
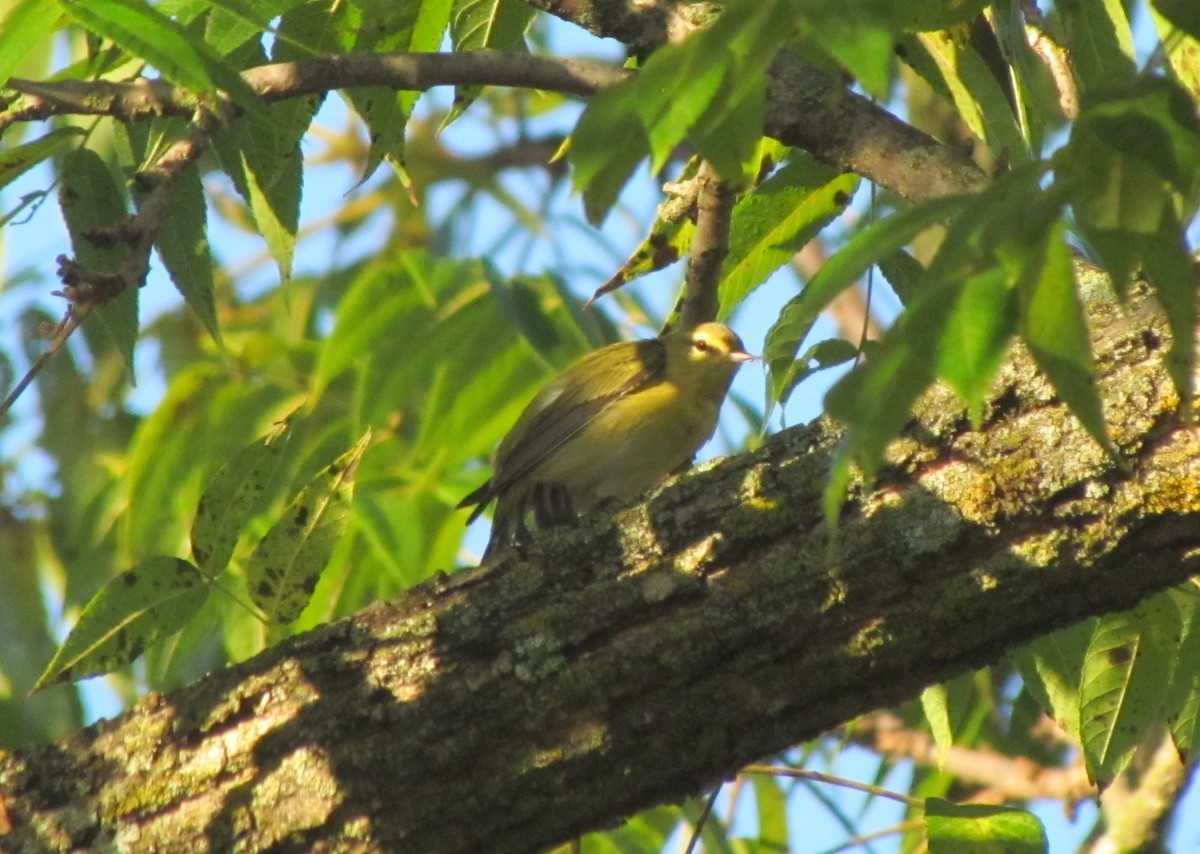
(264, 160)
(93, 204)
(16, 161)
(145, 33)
(283, 570)
(868, 245)
(27, 23)
(478, 24)
(1128, 662)
(952, 828)
(182, 243)
(233, 495)
(774, 222)
(1051, 668)
(136, 609)
(669, 239)
(1054, 327)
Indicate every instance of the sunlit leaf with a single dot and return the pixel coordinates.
(136, 609)
(284, 568)
(233, 495)
(774, 222)
(952, 828)
(25, 25)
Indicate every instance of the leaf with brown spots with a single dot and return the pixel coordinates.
(1125, 674)
(138, 608)
(283, 571)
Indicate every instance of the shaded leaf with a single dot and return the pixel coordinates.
(182, 243)
(1051, 668)
(94, 206)
(1128, 662)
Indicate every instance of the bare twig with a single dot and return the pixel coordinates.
(1008, 777)
(714, 209)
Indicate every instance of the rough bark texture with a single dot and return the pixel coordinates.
(639, 658)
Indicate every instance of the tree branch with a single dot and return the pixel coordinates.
(639, 658)
(714, 211)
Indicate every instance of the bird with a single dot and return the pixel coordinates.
(610, 426)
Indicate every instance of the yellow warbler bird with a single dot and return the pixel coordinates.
(610, 426)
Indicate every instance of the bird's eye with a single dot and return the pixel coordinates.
(700, 344)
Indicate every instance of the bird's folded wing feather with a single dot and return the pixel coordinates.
(566, 406)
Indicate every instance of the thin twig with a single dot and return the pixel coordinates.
(714, 211)
(817, 776)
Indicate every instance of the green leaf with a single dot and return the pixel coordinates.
(1051, 668)
(144, 32)
(977, 96)
(1183, 694)
(1172, 271)
(231, 23)
(903, 272)
(925, 15)
(264, 160)
(94, 205)
(161, 466)
(136, 609)
(952, 828)
(771, 804)
(1100, 41)
(1054, 328)
(774, 222)
(935, 705)
(233, 495)
(16, 161)
(606, 147)
(669, 239)
(479, 24)
(1182, 13)
(1127, 664)
(182, 243)
(877, 240)
(283, 570)
(975, 340)
(25, 26)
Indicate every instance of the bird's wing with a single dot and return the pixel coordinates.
(566, 405)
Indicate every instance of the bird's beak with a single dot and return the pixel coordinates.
(742, 356)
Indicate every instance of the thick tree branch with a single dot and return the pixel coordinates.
(280, 81)
(806, 106)
(638, 658)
